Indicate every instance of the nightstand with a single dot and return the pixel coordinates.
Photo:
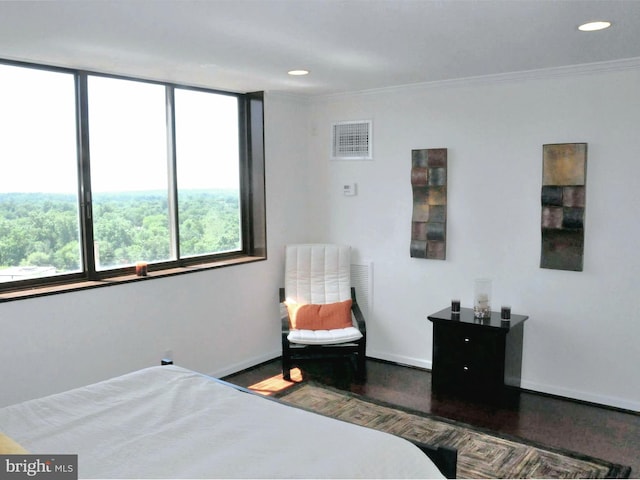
(476, 357)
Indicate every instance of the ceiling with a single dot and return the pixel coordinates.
(348, 45)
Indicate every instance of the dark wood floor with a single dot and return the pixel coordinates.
(606, 433)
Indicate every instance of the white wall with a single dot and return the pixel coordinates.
(581, 338)
(216, 322)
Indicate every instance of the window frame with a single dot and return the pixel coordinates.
(251, 193)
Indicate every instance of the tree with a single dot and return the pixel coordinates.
(43, 229)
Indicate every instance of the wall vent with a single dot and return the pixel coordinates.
(362, 281)
(351, 140)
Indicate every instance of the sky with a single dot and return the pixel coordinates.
(127, 131)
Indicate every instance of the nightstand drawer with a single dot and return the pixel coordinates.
(468, 375)
(467, 344)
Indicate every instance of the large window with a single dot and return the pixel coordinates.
(208, 173)
(99, 173)
(129, 177)
(39, 213)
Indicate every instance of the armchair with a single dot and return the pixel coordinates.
(319, 312)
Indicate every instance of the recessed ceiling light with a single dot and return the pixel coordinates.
(298, 72)
(594, 26)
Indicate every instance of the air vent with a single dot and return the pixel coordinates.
(351, 141)
(362, 281)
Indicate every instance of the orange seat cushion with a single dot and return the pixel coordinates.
(320, 317)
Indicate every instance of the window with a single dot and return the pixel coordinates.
(208, 173)
(102, 172)
(129, 179)
(39, 208)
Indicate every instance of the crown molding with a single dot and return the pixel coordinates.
(539, 74)
(288, 96)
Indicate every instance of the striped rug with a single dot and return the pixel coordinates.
(480, 455)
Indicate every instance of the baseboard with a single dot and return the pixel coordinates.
(599, 400)
(400, 359)
(245, 364)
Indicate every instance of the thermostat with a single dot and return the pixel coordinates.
(349, 189)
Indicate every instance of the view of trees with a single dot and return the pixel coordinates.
(41, 229)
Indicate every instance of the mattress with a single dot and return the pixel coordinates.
(170, 422)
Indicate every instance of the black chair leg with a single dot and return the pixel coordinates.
(286, 359)
(361, 372)
(286, 368)
(361, 365)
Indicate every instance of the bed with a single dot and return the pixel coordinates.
(170, 422)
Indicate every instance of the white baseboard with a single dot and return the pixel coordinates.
(250, 362)
(401, 359)
(581, 396)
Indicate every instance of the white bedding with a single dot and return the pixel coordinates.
(169, 422)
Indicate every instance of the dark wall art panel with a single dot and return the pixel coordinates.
(564, 175)
(429, 219)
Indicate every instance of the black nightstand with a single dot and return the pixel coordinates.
(479, 358)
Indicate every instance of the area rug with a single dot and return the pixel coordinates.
(480, 454)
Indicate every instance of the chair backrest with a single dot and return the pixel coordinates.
(317, 273)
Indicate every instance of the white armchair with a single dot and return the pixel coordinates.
(320, 314)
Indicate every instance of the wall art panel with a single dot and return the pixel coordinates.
(564, 175)
(429, 219)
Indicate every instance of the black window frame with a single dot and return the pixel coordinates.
(252, 191)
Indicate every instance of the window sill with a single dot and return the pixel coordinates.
(121, 279)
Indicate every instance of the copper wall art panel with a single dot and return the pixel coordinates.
(564, 174)
(429, 219)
